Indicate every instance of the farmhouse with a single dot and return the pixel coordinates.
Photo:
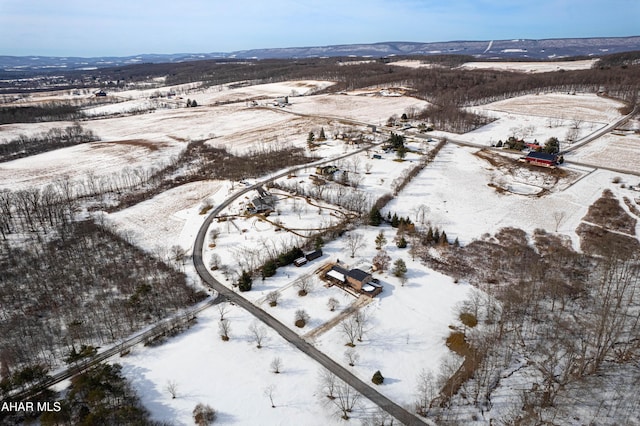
(326, 170)
(356, 279)
(541, 159)
(264, 203)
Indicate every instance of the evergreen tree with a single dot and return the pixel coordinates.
(402, 242)
(318, 242)
(436, 236)
(245, 282)
(375, 218)
(377, 378)
(399, 268)
(269, 269)
(456, 243)
(443, 239)
(429, 237)
(395, 221)
(311, 138)
(552, 146)
(194, 103)
(380, 240)
(322, 136)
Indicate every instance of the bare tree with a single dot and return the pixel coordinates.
(558, 217)
(301, 318)
(273, 297)
(223, 309)
(224, 328)
(276, 365)
(304, 285)
(381, 260)
(333, 304)
(426, 392)
(328, 383)
(258, 332)
(346, 398)
(349, 327)
(354, 242)
(362, 321)
(172, 388)
(269, 391)
(351, 356)
(214, 262)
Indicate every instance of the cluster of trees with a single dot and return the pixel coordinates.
(85, 286)
(48, 111)
(571, 316)
(24, 146)
(286, 258)
(449, 117)
(101, 395)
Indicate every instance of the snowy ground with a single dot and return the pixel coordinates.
(532, 67)
(408, 323)
(540, 117)
(619, 151)
(474, 208)
(525, 67)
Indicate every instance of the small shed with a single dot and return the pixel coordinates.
(300, 261)
(313, 255)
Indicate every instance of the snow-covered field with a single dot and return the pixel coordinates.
(457, 197)
(618, 151)
(524, 67)
(460, 192)
(532, 67)
(540, 117)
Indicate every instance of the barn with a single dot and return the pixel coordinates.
(541, 159)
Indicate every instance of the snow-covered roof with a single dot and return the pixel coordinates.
(336, 275)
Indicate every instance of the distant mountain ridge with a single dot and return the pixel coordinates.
(488, 49)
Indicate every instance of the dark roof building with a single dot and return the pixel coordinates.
(541, 159)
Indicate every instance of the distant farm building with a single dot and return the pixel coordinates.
(101, 93)
(541, 159)
(281, 102)
(356, 279)
(533, 146)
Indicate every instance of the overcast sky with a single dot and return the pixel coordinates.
(129, 27)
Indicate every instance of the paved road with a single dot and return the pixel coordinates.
(367, 391)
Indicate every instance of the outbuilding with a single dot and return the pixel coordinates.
(541, 159)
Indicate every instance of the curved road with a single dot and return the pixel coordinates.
(367, 391)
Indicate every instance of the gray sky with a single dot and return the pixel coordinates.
(129, 27)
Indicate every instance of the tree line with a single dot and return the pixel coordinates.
(55, 138)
